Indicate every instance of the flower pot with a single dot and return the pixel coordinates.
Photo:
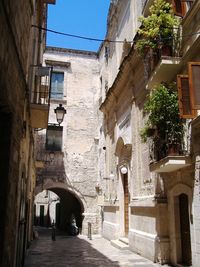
(166, 50)
(173, 149)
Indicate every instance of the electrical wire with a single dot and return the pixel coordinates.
(105, 40)
(79, 36)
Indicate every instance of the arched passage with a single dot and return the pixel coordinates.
(61, 207)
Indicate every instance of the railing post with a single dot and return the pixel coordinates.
(90, 230)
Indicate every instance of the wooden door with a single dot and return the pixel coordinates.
(185, 229)
(126, 204)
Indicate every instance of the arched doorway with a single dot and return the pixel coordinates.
(123, 152)
(126, 203)
(60, 206)
(180, 199)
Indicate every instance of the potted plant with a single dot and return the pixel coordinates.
(163, 118)
(156, 31)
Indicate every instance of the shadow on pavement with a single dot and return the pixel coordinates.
(65, 251)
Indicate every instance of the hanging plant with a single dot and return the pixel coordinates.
(157, 29)
(163, 116)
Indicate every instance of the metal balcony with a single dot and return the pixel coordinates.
(40, 97)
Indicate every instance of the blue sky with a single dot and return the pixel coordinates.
(79, 17)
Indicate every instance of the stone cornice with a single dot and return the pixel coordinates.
(57, 63)
(70, 51)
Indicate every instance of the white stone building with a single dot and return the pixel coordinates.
(72, 174)
(151, 205)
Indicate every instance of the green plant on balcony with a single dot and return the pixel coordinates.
(156, 30)
(163, 126)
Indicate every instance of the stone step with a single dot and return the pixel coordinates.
(124, 240)
(119, 244)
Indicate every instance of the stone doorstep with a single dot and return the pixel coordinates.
(119, 244)
(124, 240)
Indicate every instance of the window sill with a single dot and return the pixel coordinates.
(58, 101)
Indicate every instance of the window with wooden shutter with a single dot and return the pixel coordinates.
(179, 7)
(194, 82)
(184, 97)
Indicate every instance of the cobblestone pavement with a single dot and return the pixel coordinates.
(79, 251)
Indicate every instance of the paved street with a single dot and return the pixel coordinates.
(79, 251)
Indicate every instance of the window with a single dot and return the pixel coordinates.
(189, 91)
(179, 7)
(194, 80)
(185, 103)
(54, 138)
(57, 85)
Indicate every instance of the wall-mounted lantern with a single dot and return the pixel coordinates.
(123, 169)
(60, 113)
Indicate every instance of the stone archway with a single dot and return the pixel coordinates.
(180, 201)
(70, 204)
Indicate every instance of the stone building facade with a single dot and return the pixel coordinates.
(73, 174)
(151, 205)
(95, 160)
(21, 48)
(131, 196)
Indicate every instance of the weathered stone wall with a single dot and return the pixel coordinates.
(16, 167)
(123, 106)
(80, 125)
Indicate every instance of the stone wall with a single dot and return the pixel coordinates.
(16, 168)
(80, 125)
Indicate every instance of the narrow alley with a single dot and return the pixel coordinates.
(79, 251)
(100, 140)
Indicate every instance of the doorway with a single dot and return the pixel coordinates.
(126, 204)
(41, 215)
(185, 230)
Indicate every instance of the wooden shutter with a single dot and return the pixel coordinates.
(184, 98)
(179, 7)
(194, 82)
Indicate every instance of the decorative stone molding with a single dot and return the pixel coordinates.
(56, 63)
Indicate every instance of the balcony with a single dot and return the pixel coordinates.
(166, 70)
(160, 66)
(40, 97)
(167, 157)
(170, 164)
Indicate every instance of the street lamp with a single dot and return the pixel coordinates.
(60, 113)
